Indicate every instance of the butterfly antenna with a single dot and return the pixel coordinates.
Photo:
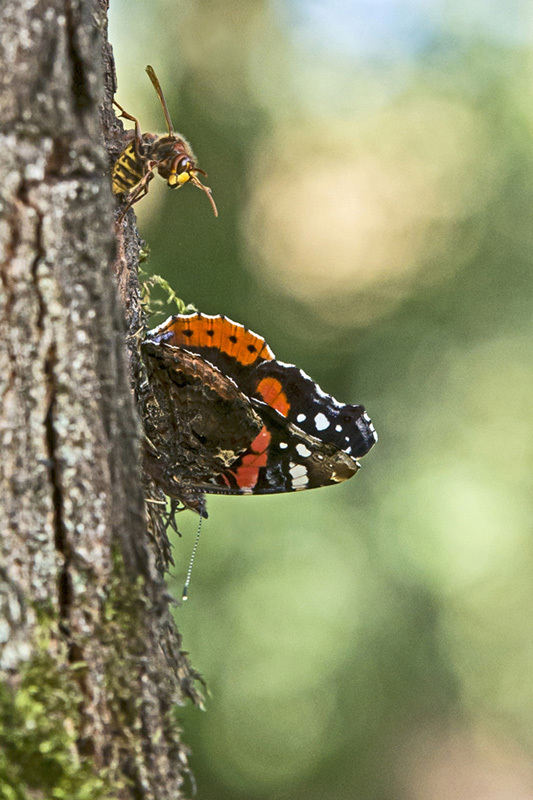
(185, 593)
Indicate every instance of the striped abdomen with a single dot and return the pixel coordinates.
(127, 170)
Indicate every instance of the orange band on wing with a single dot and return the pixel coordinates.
(221, 333)
(271, 390)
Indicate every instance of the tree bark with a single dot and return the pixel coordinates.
(90, 661)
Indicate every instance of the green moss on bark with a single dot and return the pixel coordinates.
(39, 725)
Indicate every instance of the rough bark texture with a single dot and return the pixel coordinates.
(90, 660)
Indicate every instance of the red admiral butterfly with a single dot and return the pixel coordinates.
(228, 418)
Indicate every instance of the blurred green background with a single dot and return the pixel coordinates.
(372, 166)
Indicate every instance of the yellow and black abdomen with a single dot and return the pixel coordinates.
(127, 170)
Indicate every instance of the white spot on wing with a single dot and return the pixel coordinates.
(283, 445)
(299, 476)
(302, 450)
(301, 418)
(300, 483)
(298, 471)
(338, 428)
(321, 422)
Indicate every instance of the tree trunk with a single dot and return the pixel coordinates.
(90, 661)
